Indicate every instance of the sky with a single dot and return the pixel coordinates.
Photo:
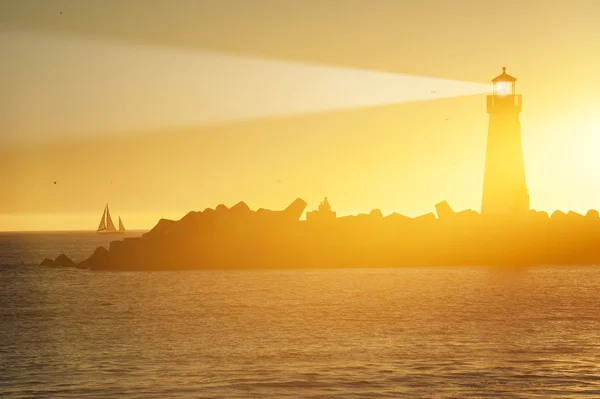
(78, 79)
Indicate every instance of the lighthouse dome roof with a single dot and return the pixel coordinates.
(504, 77)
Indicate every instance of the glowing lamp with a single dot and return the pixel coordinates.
(504, 84)
(502, 88)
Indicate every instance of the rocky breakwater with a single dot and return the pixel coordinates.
(235, 237)
(240, 238)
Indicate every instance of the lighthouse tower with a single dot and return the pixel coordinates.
(504, 186)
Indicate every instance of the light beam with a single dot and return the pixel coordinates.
(63, 86)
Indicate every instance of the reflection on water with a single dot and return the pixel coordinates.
(429, 332)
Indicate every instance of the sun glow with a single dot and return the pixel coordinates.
(587, 143)
(559, 166)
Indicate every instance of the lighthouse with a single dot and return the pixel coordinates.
(504, 185)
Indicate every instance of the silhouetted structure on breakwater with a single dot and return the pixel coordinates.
(239, 238)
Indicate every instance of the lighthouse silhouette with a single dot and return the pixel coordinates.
(504, 185)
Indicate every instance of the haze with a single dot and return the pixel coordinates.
(402, 157)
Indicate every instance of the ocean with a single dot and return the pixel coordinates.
(454, 332)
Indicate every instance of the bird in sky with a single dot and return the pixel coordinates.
(278, 181)
(447, 119)
(55, 182)
(433, 92)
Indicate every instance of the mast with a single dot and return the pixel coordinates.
(102, 225)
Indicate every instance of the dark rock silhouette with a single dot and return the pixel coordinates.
(295, 210)
(47, 262)
(161, 226)
(444, 211)
(60, 261)
(428, 217)
(63, 261)
(574, 215)
(376, 214)
(592, 214)
(240, 208)
(100, 259)
(240, 238)
(397, 218)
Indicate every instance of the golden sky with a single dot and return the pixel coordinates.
(397, 157)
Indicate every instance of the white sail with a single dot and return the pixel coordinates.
(102, 225)
(109, 223)
(121, 227)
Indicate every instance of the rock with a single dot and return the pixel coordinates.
(542, 215)
(376, 214)
(60, 261)
(63, 261)
(47, 262)
(190, 215)
(160, 228)
(131, 244)
(98, 260)
(574, 215)
(428, 217)
(240, 214)
(189, 221)
(131, 241)
(292, 213)
(240, 207)
(467, 216)
(221, 208)
(115, 246)
(444, 210)
(397, 217)
(295, 210)
(539, 217)
(592, 214)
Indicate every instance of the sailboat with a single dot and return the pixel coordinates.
(107, 226)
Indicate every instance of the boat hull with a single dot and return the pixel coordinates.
(110, 232)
